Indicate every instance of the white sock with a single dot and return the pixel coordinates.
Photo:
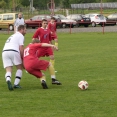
(8, 76)
(53, 76)
(18, 77)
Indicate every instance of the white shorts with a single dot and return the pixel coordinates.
(11, 58)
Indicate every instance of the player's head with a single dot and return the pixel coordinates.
(52, 19)
(44, 23)
(22, 29)
(20, 15)
(35, 41)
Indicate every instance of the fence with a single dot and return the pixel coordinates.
(71, 29)
(112, 5)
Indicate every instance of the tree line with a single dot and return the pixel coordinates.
(43, 3)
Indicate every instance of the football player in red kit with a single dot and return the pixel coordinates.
(52, 26)
(44, 36)
(33, 65)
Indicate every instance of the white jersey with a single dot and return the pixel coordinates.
(14, 41)
(19, 22)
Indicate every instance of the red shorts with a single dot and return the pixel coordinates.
(34, 66)
(46, 51)
(54, 36)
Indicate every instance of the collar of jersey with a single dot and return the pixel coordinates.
(52, 23)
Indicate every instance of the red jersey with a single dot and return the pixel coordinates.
(30, 50)
(52, 26)
(31, 62)
(44, 35)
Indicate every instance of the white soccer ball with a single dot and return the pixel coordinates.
(83, 85)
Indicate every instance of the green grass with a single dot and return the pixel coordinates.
(81, 56)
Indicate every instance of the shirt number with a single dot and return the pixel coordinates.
(9, 39)
(26, 52)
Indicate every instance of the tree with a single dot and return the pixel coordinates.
(65, 3)
(25, 2)
(2, 4)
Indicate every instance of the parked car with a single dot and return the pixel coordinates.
(113, 17)
(65, 22)
(36, 21)
(96, 19)
(110, 22)
(7, 20)
(80, 19)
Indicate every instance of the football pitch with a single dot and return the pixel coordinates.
(81, 56)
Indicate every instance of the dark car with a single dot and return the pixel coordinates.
(112, 17)
(36, 21)
(64, 22)
(80, 19)
(110, 22)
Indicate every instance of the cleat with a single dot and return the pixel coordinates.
(54, 81)
(17, 86)
(44, 85)
(9, 85)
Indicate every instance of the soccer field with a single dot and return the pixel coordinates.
(81, 56)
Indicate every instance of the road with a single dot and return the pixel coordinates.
(74, 30)
(90, 29)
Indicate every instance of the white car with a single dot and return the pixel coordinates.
(96, 19)
(64, 22)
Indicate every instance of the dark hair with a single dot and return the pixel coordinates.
(44, 20)
(53, 18)
(21, 27)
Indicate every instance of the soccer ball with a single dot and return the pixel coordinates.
(83, 85)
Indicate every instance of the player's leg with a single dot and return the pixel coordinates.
(52, 60)
(43, 81)
(18, 63)
(7, 63)
(56, 42)
(52, 73)
(37, 73)
(8, 77)
(18, 76)
(35, 69)
(55, 38)
(50, 53)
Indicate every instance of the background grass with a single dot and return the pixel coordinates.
(81, 56)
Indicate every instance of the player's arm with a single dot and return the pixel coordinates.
(50, 38)
(21, 48)
(49, 45)
(49, 27)
(24, 21)
(36, 34)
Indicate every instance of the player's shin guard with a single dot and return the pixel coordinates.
(18, 77)
(8, 76)
(56, 44)
(52, 62)
(52, 71)
(43, 78)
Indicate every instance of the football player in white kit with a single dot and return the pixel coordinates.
(18, 21)
(12, 54)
